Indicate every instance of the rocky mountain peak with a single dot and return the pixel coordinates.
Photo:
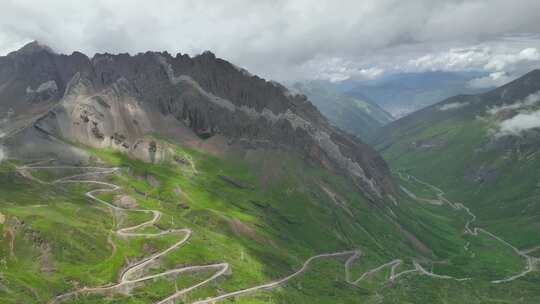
(116, 100)
(208, 55)
(34, 47)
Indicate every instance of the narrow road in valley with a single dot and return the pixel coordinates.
(394, 264)
(276, 283)
(368, 273)
(441, 199)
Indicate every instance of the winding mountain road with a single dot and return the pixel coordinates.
(129, 275)
(132, 273)
(441, 199)
(277, 282)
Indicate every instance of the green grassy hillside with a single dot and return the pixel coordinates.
(264, 223)
(465, 147)
(459, 146)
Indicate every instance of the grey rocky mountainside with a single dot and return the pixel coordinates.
(49, 100)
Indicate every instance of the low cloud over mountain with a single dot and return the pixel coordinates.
(291, 40)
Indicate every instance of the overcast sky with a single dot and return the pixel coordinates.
(296, 39)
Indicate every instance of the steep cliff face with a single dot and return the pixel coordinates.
(117, 100)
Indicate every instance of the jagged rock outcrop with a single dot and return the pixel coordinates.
(118, 100)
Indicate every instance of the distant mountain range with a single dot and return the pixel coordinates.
(358, 116)
(403, 93)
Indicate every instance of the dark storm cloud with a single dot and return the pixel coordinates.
(278, 39)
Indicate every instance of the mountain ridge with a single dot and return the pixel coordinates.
(359, 117)
(513, 91)
(205, 95)
(404, 93)
(483, 147)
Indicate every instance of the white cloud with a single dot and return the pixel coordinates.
(503, 60)
(519, 123)
(452, 60)
(523, 121)
(474, 58)
(279, 38)
(371, 73)
(494, 79)
(338, 69)
(499, 62)
(530, 100)
(344, 74)
(453, 105)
